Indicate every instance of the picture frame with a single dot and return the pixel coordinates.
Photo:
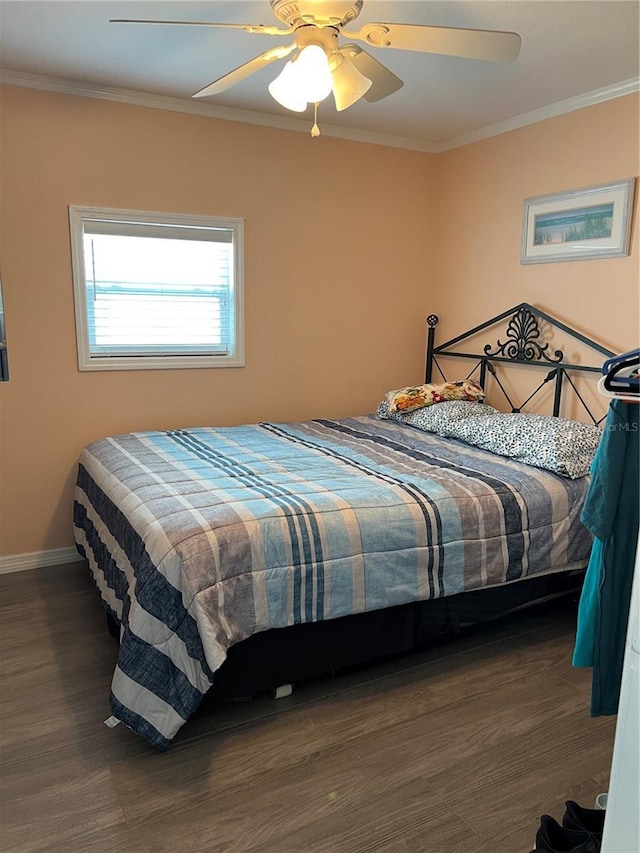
(594, 222)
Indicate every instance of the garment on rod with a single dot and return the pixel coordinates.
(612, 513)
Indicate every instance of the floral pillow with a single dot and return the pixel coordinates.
(414, 397)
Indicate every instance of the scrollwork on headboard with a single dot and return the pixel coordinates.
(523, 331)
(523, 346)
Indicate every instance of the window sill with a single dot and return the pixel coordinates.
(170, 362)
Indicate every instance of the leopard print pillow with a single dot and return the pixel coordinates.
(563, 446)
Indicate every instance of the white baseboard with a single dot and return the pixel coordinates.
(37, 560)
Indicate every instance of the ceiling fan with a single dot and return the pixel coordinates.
(321, 65)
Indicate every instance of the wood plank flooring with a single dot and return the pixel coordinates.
(456, 749)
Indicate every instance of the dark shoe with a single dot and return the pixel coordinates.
(553, 838)
(587, 820)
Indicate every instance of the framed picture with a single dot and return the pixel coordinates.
(594, 222)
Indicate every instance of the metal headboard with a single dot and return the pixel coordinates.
(524, 346)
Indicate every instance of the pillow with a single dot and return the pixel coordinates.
(440, 418)
(437, 418)
(414, 397)
(555, 444)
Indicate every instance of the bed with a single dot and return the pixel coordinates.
(230, 560)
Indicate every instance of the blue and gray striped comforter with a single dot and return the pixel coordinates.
(199, 538)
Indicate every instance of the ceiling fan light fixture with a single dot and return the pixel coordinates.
(322, 66)
(305, 80)
(349, 84)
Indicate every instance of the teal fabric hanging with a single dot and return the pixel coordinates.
(611, 512)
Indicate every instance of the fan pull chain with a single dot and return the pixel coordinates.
(315, 130)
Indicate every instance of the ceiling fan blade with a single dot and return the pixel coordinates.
(450, 41)
(248, 28)
(383, 81)
(242, 71)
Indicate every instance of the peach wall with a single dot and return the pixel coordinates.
(348, 247)
(480, 190)
(337, 247)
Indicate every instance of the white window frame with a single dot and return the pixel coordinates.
(87, 361)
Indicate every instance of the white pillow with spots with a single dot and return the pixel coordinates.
(439, 417)
(556, 444)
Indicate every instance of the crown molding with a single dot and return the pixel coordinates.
(161, 102)
(180, 105)
(579, 102)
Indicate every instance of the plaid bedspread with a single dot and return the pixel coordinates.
(199, 538)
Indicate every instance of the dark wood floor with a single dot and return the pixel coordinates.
(457, 749)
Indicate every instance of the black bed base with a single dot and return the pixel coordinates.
(286, 655)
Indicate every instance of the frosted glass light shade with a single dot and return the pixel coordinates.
(285, 91)
(313, 73)
(349, 85)
(304, 80)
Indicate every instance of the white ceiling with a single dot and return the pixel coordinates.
(570, 50)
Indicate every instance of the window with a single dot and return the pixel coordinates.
(156, 290)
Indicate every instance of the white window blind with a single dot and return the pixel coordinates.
(156, 291)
